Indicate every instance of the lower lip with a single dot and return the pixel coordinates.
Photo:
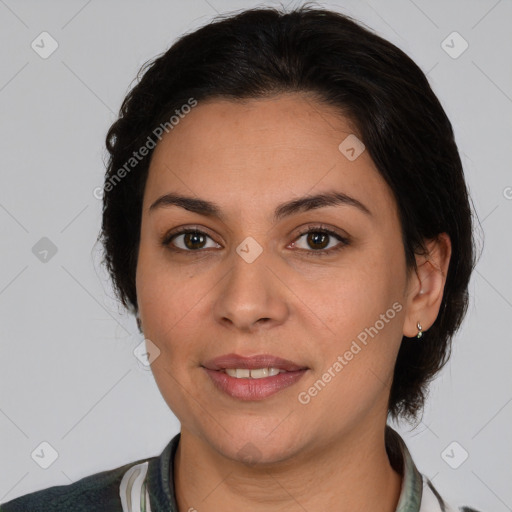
(253, 389)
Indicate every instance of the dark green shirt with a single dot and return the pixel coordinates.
(147, 485)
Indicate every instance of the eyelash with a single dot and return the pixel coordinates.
(323, 252)
(168, 238)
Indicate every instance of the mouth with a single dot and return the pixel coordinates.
(255, 373)
(257, 362)
(252, 378)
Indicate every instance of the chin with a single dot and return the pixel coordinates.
(253, 446)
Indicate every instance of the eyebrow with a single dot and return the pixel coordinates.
(302, 204)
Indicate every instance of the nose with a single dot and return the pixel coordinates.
(251, 296)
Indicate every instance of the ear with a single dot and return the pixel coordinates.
(426, 285)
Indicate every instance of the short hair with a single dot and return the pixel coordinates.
(264, 52)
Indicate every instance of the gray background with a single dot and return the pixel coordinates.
(68, 373)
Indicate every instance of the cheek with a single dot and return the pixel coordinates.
(155, 295)
(362, 317)
(174, 308)
(168, 310)
(352, 297)
(163, 291)
(356, 363)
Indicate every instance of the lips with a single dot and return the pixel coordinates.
(253, 362)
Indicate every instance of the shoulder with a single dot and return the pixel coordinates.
(433, 502)
(99, 492)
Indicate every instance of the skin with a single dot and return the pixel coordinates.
(328, 454)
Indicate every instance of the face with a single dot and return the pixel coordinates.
(319, 284)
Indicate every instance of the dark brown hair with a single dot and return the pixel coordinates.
(267, 51)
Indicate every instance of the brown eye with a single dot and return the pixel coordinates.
(194, 240)
(318, 240)
(189, 240)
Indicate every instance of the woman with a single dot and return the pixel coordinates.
(285, 213)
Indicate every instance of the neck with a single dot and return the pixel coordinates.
(352, 473)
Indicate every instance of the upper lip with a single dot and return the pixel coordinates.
(252, 362)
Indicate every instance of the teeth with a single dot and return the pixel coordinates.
(256, 373)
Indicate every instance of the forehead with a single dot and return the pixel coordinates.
(272, 149)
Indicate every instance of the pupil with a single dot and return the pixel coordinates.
(193, 238)
(314, 237)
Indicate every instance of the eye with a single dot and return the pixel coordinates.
(319, 238)
(188, 240)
